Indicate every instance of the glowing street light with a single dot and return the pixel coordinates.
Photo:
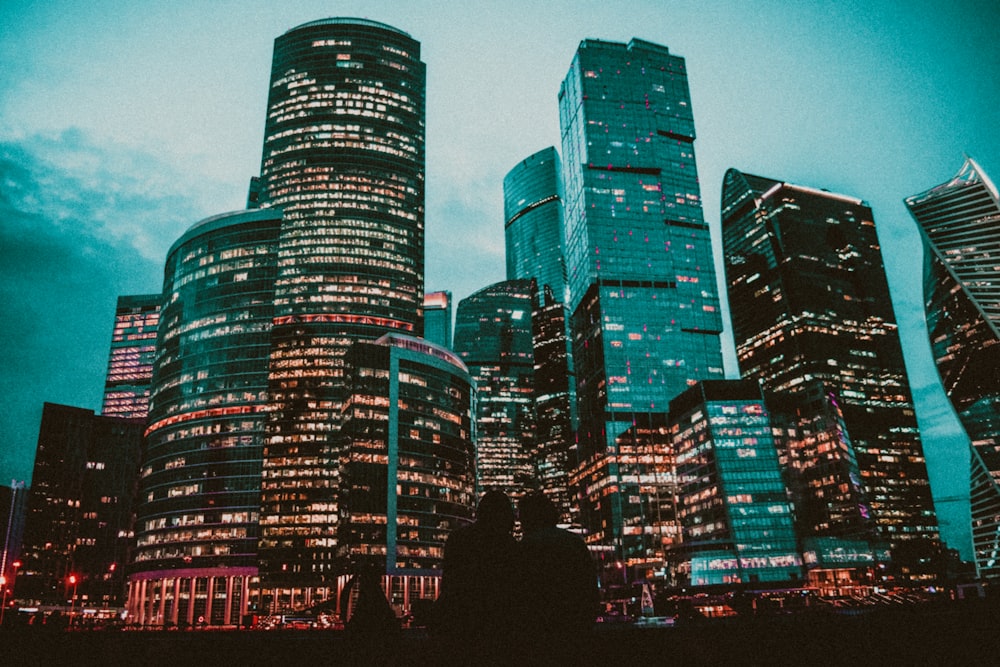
(72, 606)
(3, 603)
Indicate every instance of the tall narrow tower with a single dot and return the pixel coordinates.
(493, 337)
(960, 221)
(130, 363)
(344, 158)
(810, 303)
(642, 289)
(533, 225)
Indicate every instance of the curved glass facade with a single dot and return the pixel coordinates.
(409, 462)
(344, 157)
(960, 221)
(810, 303)
(533, 225)
(199, 491)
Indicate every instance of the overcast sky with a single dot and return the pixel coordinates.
(123, 123)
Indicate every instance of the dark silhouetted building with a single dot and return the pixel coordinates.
(493, 337)
(408, 462)
(960, 222)
(343, 157)
(80, 512)
(810, 303)
(198, 515)
(554, 404)
(642, 290)
(130, 363)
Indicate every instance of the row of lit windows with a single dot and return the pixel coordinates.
(204, 534)
(373, 144)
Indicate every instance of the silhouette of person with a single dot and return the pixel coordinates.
(372, 616)
(478, 579)
(558, 591)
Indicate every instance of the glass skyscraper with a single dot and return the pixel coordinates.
(408, 461)
(810, 302)
(493, 337)
(960, 222)
(344, 158)
(130, 362)
(555, 403)
(533, 224)
(734, 509)
(437, 318)
(642, 288)
(199, 496)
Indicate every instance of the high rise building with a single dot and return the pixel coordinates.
(810, 303)
(437, 318)
(960, 223)
(554, 403)
(493, 337)
(80, 510)
(533, 223)
(408, 462)
(734, 509)
(833, 520)
(642, 290)
(130, 363)
(343, 157)
(198, 517)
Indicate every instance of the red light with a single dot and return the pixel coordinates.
(16, 564)
(72, 578)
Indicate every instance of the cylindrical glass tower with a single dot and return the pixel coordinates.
(344, 157)
(199, 493)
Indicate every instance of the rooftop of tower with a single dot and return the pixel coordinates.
(349, 21)
(212, 223)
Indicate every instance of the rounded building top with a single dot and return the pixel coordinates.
(348, 21)
(224, 220)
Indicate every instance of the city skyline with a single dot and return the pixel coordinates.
(883, 102)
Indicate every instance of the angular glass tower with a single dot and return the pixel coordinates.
(960, 222)
(437, 318)
(493, 337)
(642, 287)
(734, 510)
(533, 224)
(200, 485)
(130, 363)
(344, 158)
(810, 302)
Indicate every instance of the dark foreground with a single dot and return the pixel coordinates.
(965, 633)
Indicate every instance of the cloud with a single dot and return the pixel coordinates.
(465, 237)
(80, 224)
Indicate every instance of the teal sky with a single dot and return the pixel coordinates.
(123, 123)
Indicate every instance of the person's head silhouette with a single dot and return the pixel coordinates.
(536, 512)
(495, 512)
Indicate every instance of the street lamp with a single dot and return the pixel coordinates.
(111, 584)
(72, 605)
(3, 604)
